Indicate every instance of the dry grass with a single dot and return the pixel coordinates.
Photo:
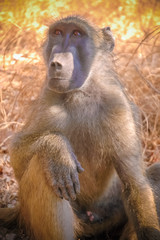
(21, 74)
(139, 68)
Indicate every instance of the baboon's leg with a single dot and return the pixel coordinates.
(46, 216)
(153, 175)
(129, 232)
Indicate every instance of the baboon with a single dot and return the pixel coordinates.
(78, 159)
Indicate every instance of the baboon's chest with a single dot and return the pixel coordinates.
(86, 130)
(88, 141)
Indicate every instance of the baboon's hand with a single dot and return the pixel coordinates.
(65, 180)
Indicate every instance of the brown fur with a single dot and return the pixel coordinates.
(94, 126)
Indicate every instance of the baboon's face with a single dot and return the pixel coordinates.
(69, 55)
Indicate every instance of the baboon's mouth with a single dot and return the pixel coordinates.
(58, 79)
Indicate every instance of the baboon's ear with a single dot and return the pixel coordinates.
(108, 37)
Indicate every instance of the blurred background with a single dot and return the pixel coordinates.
(23, 24)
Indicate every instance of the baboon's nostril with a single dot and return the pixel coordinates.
(56, 65)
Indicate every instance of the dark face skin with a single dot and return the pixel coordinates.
(68, 57)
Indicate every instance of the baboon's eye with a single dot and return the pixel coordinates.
(77, 33)
(58, 32)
